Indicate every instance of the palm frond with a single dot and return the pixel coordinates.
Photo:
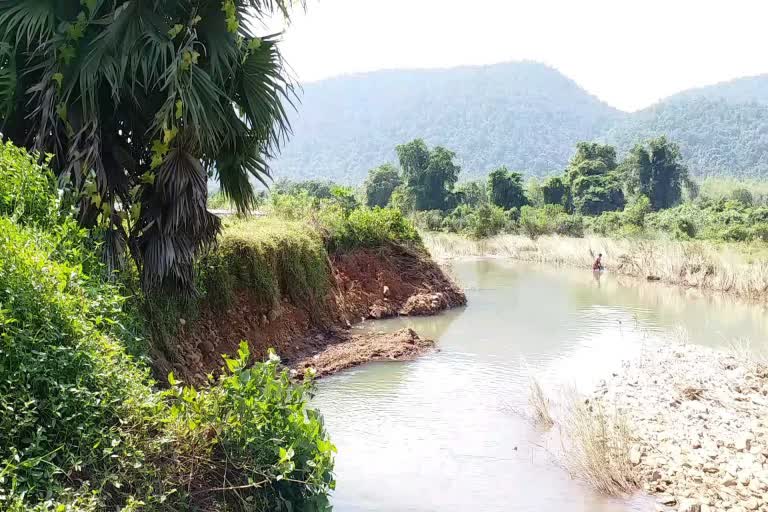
(27, 22)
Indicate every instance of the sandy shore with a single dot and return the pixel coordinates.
(700, 422)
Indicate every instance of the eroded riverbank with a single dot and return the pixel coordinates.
(365, 284)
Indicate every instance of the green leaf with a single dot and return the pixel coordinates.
(254, 44)
(172, 379)
(175, 30)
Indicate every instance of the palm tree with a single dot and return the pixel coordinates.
(140, 102)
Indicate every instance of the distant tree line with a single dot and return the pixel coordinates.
(593, 183)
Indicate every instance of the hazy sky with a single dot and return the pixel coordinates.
(630, 53)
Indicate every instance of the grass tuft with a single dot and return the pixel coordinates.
(597, 448)
(540, 405)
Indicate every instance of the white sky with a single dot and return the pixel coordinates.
(630, 53)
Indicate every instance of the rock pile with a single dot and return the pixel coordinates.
(700, 418)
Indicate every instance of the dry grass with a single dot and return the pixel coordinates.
(743, 349)
(595, 445)
(540, 406)
(722, 268)
(597, 448)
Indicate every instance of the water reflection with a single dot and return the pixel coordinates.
(438, 433)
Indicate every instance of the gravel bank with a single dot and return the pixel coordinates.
(701, 422)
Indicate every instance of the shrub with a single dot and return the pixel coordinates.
(255, 440)
(74, 406)
(430, 220)
(551, 219)
(486, 220)
(27, 189)
(375, 227)
(299, 206)
(269, 258)
(742, 195)
(533, 222)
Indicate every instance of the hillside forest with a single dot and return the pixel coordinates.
(521, 114)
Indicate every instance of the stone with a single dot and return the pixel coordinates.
(669, 501)
(689, 506)
(751, 504)
(385, 291)
(635, 454)
(757, 487)
(744, 477)
(743, 442)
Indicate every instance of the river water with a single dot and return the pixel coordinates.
(448, 432)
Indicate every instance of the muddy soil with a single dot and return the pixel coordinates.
(368, 284)
(344, 350)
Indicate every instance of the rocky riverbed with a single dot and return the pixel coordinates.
(700, 419)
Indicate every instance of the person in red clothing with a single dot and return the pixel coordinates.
(598, 264)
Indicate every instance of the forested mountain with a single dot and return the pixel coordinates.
(741, 90)
(523, 115)
(716, 136)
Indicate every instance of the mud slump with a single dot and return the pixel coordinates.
(448, 431)
(365, 284)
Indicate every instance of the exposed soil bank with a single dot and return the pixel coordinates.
(367, 284)
(700, 418)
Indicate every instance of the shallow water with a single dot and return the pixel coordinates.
(448, 432)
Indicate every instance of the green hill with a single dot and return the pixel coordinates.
(524, 115)
(717, 136)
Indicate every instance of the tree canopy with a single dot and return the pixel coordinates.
(429, 174)
(380, 184)
(140, 102)
(506, 189)
(595, 186)
(654, 169)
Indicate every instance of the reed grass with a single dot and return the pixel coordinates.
(728, 268)
(540, 406)
(597, 448)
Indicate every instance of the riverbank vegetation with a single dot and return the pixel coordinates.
(85, 427)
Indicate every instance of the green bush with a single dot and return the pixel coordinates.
(271, 259)
(548, 220)
(254, 433)
(74, 405)
(486, 220)
(27, 189)
(366, 227)
(298, 206)
(82, 427)
(429, 220)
